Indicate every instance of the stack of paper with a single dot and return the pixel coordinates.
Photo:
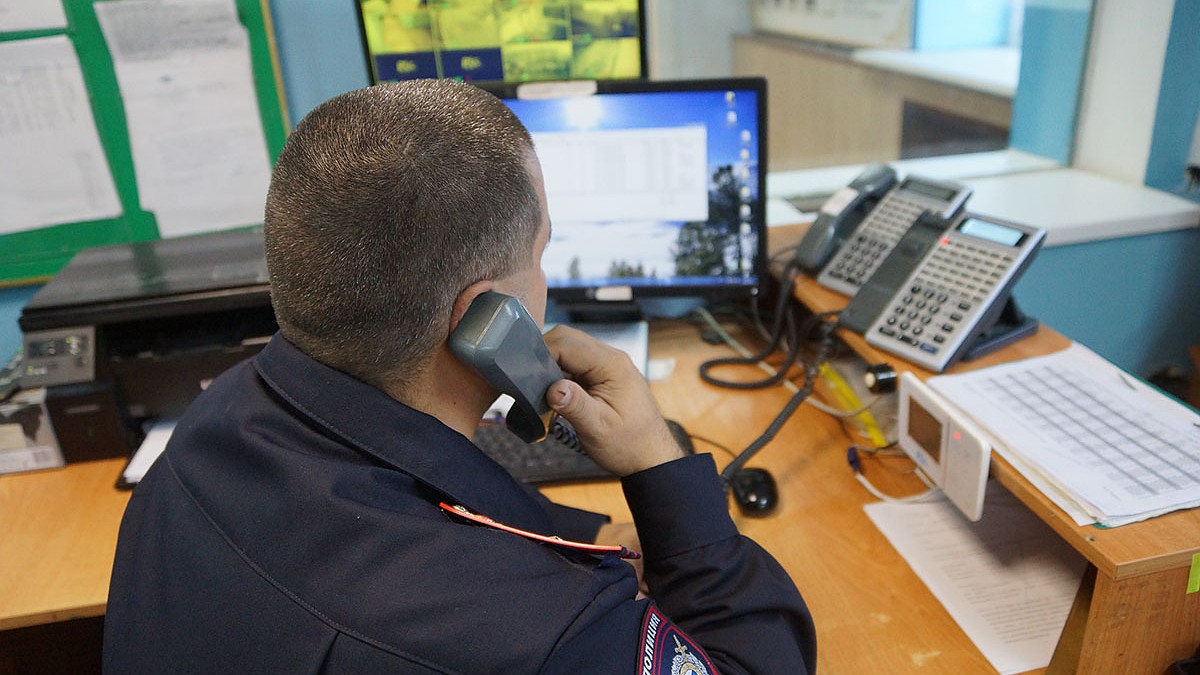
(1101, 444)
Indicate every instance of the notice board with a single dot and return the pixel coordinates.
(34, 255)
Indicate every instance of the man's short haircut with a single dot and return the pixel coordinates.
(384, 205)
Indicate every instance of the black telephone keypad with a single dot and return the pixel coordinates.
(957, 277)
(857, 260)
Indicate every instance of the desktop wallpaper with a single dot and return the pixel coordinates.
(717, 245)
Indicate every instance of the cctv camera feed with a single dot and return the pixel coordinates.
(503, 40)
(652, 189)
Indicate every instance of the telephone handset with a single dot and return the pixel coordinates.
(869, 244)
(944, 292)
(840, 214)
(500, 340)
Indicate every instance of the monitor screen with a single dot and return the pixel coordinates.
(654, 188)
(503, 40)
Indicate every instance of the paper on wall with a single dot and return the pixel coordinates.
(194, 126)
(19, 15)
(52, 166)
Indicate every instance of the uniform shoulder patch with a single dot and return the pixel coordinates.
(666, 650)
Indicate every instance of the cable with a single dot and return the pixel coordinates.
(738, 347)
(810, 379)
(856, 465)
(782, 317)
(709, 441)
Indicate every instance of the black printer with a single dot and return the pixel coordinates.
(134, 332)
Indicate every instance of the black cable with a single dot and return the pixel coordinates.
(783, 322)
(810, 380)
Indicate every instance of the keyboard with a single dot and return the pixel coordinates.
(548, 461)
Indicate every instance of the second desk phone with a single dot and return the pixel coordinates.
(865, 248)
(943, 290)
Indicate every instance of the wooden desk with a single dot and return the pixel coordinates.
(1133, 613)
(58, 532)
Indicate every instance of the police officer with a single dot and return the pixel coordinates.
(320, 507)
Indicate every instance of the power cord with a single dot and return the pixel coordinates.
(738, 347)
(784, 321)
(855, 461)
(805, 389)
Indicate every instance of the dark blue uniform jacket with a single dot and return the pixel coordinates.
(292, 526)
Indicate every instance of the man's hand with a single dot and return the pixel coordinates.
(609, 404)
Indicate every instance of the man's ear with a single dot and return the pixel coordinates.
(464, 300)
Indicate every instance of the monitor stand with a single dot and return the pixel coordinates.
(619, 325)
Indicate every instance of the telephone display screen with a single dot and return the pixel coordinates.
(925, 429)
(937, 192)
(992, 232)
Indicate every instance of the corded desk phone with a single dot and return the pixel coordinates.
(500, 340)
(870, 242)
(841, 214)
(944, 291)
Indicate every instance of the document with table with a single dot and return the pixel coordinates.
(1104, 446)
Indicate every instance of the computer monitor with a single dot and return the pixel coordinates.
(503, 40)
(655, 189)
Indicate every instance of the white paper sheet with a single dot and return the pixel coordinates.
(186, 80)
(1007, 580)
(152, 446)
(18, 15)
(52, 167)
(1109, 446)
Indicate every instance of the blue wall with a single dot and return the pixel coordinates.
(1135, 301)
(1054, 46)
(11, 302)
(1178, 104)
(320, 51)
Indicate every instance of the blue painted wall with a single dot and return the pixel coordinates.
(1054, 46)
(1178, 104)
(320, 51)
(11, 302)
(1135, 301)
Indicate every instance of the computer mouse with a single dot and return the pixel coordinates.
(754, 491)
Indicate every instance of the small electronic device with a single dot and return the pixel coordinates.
(841, 214)
(945, 293)
(500, 340)
(754, 491)
(950, 450)
(870, 243)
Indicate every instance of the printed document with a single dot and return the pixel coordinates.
(1007, 580)
(198, 145)
(19, 15)
(1104, 446)
(52, 167)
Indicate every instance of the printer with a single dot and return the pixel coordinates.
(132, 333)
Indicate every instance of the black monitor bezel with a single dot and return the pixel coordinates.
(373, 77)
(722, 291)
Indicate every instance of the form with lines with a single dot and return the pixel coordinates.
(1113, 448)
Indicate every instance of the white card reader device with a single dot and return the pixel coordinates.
(951, 451)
